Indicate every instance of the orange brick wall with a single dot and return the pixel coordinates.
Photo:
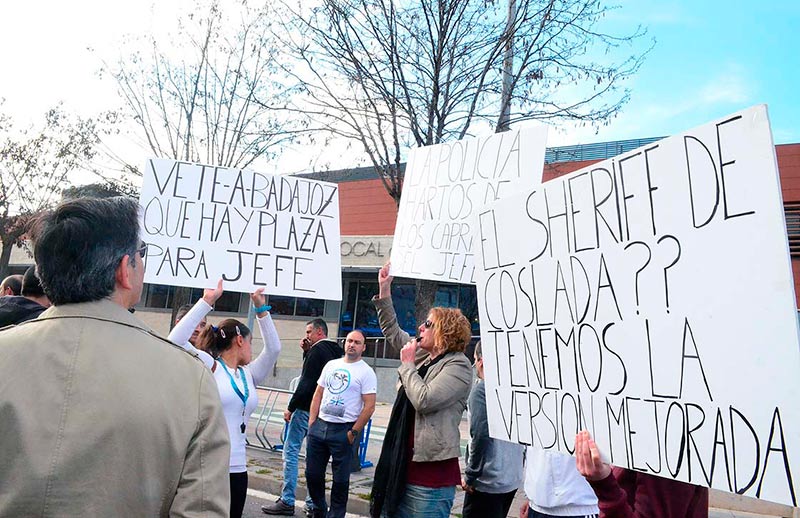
(789, 167)
(366, 209)
(561, 168)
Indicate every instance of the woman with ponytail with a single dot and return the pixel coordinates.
(229, 344)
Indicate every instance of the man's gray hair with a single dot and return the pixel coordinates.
(79, 244)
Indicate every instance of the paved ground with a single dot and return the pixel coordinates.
(256, 498)
(266, 472)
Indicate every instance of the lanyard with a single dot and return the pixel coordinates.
(246, 394)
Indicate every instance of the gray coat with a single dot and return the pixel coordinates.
(492, 465)
(439, 398)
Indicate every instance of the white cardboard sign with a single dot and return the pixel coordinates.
(649, 299)
(250, 229)
(444, 186)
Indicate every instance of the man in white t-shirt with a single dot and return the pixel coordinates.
(342, 405)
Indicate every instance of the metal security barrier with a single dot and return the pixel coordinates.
(265, 417)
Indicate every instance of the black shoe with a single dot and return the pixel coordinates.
(278, 508)
(309, 511)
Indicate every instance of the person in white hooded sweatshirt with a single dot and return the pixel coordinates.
(554, 487)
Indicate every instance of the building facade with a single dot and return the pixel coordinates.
(368, 215)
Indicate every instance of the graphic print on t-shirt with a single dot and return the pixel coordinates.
(336, 383)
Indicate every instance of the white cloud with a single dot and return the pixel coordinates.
(731, 86)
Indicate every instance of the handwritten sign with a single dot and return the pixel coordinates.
(649, 299)
(252, 230)
(444, 187)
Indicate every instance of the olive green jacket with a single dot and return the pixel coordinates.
(101, 417)
(439, 398)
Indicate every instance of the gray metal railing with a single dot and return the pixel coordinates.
(265, 418)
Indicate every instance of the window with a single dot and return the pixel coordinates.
(791, 211)
(309, 307)
(366, 315)
(296, 306)
(281, 305)
(348, 308)
(403, 298)
(446, 297)
(161, 297)
(230, 301)
(468, 302)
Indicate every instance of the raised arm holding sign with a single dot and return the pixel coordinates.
(649, 300)
(444, 186)
(250, 229)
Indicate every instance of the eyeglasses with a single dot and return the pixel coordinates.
(143, 250)
(428, 324)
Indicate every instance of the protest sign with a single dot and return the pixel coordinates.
(252, 230)
(444, 186)
(649, 299)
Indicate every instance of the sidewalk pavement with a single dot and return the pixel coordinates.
(265, 470)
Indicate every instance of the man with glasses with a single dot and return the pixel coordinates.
(101, 417)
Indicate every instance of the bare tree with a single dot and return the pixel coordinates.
(35, 166)
(392, 75)
(191, 93)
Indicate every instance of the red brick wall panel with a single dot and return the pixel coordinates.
(789, 167)
(557, 169)
(366, 209)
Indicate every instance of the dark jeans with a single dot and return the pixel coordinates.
(238, 493)
(328, 441)
(487, 505)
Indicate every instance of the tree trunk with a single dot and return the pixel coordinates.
(182, 296)
(424, 299)
(5, 257)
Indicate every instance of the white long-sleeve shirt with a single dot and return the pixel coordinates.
(255, 373)
(554, 486)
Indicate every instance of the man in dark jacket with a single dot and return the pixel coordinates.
(11, 285)
(319, 350)
(17, 309)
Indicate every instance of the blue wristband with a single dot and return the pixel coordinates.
(262, 309)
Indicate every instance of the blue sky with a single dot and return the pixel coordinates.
(710, 59)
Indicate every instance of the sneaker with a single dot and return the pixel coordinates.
(278, 508)
(309, 511)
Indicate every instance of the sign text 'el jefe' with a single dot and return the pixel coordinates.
(444, 186)
(649, 299)
(250, 229)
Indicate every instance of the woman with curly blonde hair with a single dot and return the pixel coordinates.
(418, 469)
